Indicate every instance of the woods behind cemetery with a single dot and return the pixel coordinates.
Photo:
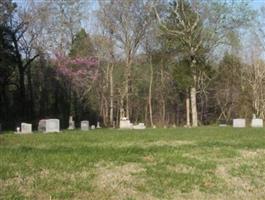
(165, 63)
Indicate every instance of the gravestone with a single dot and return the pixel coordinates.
(42, 125)
(98, 125)
(84, 125)
(71, 123)
(49, 125)
(257, 123)
(26, 128)
(18, 130)
(93, 127)
(239, 123)
(139, 126)
(125, 123)
(52, 125)
(222, 123)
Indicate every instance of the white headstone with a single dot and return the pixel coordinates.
(26, 128)
(139, 126)
(52, 125)
(71, 123)
(222, 125)
(93, 127)
(18, 130)
(257, 123)
(84, 125)
(98, 125)
(125, 124)
(42, 125)
(239, 123)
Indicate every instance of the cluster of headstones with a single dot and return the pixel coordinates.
(241, 123)
(85, 126)
(53, 125)
(126, 124)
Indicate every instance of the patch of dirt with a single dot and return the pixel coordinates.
(181, 168)
(149, 159)
(173, 143)
(120, 182)
(143, 144)
(252, 154)
(239, 187)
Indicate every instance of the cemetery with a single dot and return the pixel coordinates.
(132, 99)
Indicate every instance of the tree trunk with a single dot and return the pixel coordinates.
(126, 90)
(127, 85)
(22, 92)
(30, 88)
(163, 102)
(150, 93)
(188, 110)
(194, 107)
(111, 94)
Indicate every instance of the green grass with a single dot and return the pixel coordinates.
(201, 163)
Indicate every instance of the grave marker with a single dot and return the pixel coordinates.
(26, 128)
(85, 125)
(239, 123)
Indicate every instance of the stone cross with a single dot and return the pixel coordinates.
(71, 123)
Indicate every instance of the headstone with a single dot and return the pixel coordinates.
(42, 125)
(49, 125)
(18, 130)
(93, 127)
(71, 123)
(174, 126)
(84, 125)
(125, 123)
(154, 126)
(257, 123)
(98, 125)
(222, 125)
(26, 128)
(52, 125)
(139, 126)
(239, 123)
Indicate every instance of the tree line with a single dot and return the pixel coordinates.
(176, 63)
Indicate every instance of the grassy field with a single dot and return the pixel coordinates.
(201, 163)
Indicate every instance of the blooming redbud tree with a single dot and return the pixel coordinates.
(80, 71)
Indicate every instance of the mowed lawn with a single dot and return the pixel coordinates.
(201, 163)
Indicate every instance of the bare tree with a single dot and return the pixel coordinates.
(199, 27)
(127, 22)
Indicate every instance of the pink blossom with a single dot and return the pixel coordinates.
(79, 70)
